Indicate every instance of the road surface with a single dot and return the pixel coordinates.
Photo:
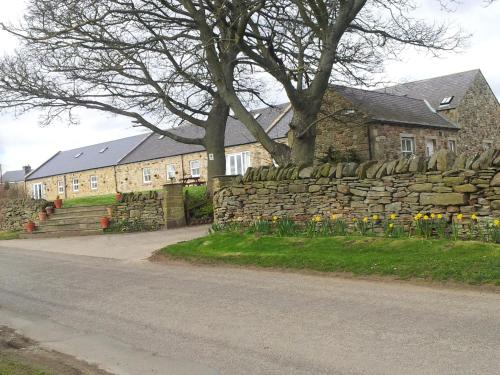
(135, 317)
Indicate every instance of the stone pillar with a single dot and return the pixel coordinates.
(173, 205)
(219, 182)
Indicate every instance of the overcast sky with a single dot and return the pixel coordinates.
(23, 141)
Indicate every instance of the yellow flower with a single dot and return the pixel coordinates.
(275, 219)
(375, 217)
(418, 216)
(333, 217)
(316, 218)
(365, 220)
(258, 218)
(426, 217)
(496, 222)
(440, 216)
(393, 216)
(391, 225)
(354, 220)
(460, 216)
(474, 217)
(433, 216)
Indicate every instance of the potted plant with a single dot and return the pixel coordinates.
(49, 210)
(29, 226)
(104, 221)
(118, 196)
(58, 202)
(42, 215)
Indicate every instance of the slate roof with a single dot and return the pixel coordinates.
(90, 158)
(434, 90)
(13, 176)
(236, 134)
(393, 108)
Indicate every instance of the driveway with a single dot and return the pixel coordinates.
(143, 318)
(127, 246)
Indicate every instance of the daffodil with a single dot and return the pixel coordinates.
(426, 217)
(474, 217)
(365, 220)
(418, 216)
(375, 217)
(333, 217)
(433, 216)
(440, 216)
(391, 225)
(393, 216)
(496, 222)
(354, 220)
(316, 218)
(460, 216)
(275, 219)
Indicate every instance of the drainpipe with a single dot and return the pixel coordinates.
(116, 180)
(370, 152)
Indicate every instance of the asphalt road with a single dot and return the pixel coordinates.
(141, 318)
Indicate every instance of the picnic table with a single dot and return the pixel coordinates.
(190, 180)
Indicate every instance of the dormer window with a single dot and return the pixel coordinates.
(78, 155)
(446, 100)
(103, 150)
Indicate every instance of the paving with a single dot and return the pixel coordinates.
(145, 318)
(125, 246)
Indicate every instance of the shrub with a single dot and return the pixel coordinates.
(198, 203)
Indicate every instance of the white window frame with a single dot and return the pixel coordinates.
(237, 163)
(192, 168)
(171, 171)
(38, 190)
(75, 183)
(452, 145)
(146, 175)
(60, 187)
(433, 141)
(93, 182)
(405, 141)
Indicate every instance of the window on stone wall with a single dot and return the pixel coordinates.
(195, 168)
(237, 163)
(38, 191)
(146, 175)
(76, 185)
(93, 182)
(430, 147)
(170, 171)
(407, 146)
(60, 187)
(452, 145)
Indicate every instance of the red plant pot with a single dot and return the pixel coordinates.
(118, 197)
(42, 215)
(49, 210)
(58, 203)
(29, 226)
(104, 222)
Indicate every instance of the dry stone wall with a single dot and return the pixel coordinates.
(446, 183)
(144, 208)
(14, 213)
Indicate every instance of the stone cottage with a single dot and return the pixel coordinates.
(457, 112)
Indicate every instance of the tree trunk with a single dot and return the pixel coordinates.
(214, 142)
(302, 136)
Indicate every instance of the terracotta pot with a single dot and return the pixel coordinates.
(58, 203)
(42, 215)
(104, 222)
(49, 210)
(29, 226)
(119, 197)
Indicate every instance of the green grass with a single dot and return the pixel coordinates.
(442, 260)
(11, 366)
(97, 200)
(8, 235)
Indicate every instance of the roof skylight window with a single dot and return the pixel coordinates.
(103, 149)
(256, 115)
(161, 136)
(446, 100)
(78, 155)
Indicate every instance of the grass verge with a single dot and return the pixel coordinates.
(8, 235)
(12, 366)
(440, 260)
(98, 200)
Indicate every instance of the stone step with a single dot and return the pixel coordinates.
(56, 220)
(72, 214)
(66, 227)
(67, 233)
(79, 210)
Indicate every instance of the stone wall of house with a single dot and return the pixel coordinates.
(105, 184)
(445, 183)
(386, 139)
(130, 176)
(14, 213)
(478, 116)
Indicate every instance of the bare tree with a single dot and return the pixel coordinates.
(305, 45)
(131, 58)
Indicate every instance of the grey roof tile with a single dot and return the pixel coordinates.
(394, 108)
(90, 157)
(434, 90)
(13, 176)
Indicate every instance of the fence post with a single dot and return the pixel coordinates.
(173, 205)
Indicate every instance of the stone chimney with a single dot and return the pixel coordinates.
(27, 169)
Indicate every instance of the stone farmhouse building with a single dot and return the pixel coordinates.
(458, 112)
(15, 177)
